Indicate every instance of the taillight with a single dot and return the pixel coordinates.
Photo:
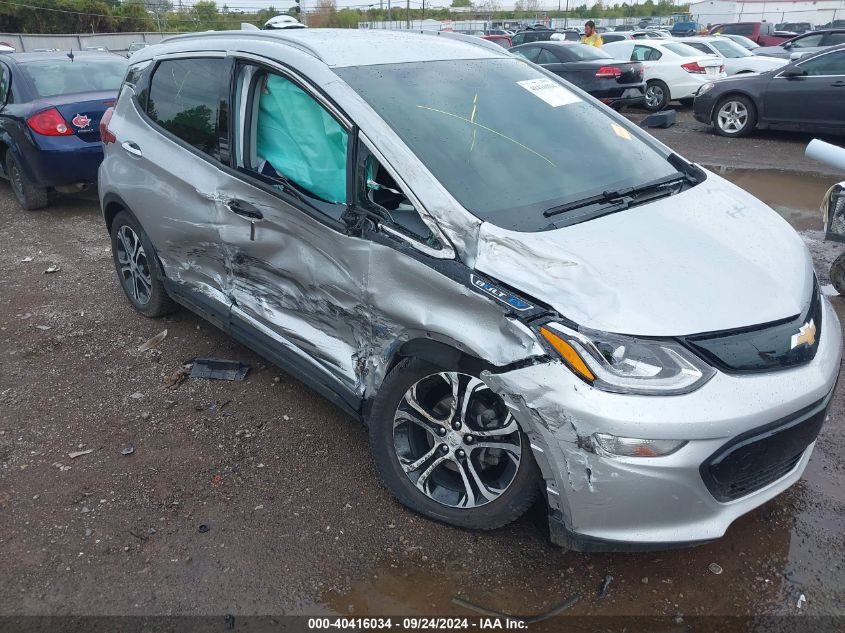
(49, 123)
(106, 135)
(609, 72)
(694, 67)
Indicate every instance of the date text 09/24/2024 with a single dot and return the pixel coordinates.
(416, 623)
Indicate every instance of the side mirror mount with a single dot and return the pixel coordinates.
(794, 72)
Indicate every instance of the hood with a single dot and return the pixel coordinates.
(710, 258)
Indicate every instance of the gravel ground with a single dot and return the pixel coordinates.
(297, 521)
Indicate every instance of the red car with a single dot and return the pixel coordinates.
(502, 40)
(761, 32)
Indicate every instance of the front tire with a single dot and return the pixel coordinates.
(137, 267)
(447, 447)
(734, 116)
(28, 195)
(657, 95)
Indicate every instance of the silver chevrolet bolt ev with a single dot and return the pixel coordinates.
(518, 291)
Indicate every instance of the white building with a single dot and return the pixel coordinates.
(719, 11)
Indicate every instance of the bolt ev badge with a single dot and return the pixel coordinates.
(806, 334)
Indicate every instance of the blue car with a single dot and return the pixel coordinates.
(50, 110)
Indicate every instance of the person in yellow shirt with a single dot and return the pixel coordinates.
(590, 37)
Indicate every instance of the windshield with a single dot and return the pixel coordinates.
(62, 77)
(682, 50)
(582, 51)
(730, 49)
(506, 140)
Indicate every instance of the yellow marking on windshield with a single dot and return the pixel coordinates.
(492, 131)
(472, 120)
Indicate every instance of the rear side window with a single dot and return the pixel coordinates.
(645, 54)
(834, 39)
(831, 64)
(547, 57)
(185, 99)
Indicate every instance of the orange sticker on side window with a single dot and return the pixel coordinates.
(620, 131)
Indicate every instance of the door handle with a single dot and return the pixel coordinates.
(244, 209)
(132, 149)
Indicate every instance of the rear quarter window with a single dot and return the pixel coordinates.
(185, 99)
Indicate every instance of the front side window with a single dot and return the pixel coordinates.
(288, 140)
(830, 64)
(458, 117)
(184, 99)
(809, 41)
(381, 195)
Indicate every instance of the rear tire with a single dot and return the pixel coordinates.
(432, 436)
(28, 195)
(734, 116)
(657, 95)
(137, 267)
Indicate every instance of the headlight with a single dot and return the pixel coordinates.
(633, 447)
(705, 88)
(625, 364)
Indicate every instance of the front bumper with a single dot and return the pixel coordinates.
(613, 503)
(702, 107)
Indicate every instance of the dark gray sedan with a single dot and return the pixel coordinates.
(614, 82)
(805, 95)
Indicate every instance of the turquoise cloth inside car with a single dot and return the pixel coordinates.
(301, 140)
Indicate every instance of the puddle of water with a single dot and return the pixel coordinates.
(796, 196)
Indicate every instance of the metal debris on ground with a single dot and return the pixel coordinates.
(604, 586)
(26, 259)
(52, 269)
(76, 454)
(527, 619)
(802, 599)
(203, 528)
(218, 369)
(715, 568)
(128, 450)
(153, 342)
(229, 622)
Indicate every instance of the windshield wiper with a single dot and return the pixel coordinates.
(623, 198)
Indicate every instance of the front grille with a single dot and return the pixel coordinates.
(767, 347)
(761, 456)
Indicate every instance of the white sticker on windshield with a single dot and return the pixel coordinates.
(549, 91)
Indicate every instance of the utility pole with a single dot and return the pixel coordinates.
(389, 14)
(565, 15)
(408, 14)
(423, 12)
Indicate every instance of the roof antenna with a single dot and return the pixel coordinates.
(70, 54)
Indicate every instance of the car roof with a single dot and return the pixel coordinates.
(365, 47)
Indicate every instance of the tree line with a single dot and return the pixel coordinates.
(116, 16)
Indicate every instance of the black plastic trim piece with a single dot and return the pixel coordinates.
(334, 391)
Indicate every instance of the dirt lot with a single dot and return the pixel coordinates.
(297, 519)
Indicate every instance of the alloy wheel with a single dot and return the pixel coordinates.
(732, 117)
(456, 440)
(133, 266)
(653, 96)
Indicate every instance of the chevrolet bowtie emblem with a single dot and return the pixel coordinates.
(806, 334)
